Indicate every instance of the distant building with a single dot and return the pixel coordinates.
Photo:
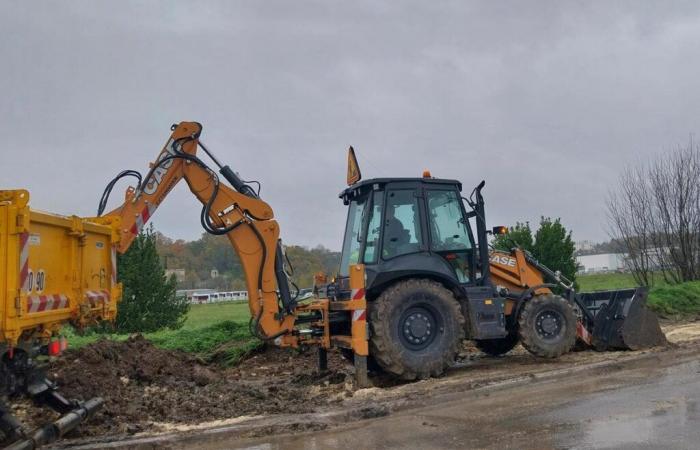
(179, 274)
(584, 246)
(606, 262)
(199, 296)
(189, 293)
(214, 274)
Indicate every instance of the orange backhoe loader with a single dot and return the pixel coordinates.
(416, 277)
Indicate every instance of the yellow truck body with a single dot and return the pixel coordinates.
(53, 270)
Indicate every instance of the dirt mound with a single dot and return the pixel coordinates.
(145, 387)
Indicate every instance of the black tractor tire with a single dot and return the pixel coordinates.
(417, 328)
(498, 346)
(547, 326)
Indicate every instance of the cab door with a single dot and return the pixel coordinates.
(450, 235)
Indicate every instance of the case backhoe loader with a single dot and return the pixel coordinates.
(416, 277)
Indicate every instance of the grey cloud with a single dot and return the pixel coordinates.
(545, 100)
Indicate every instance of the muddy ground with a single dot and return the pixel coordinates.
(149, 390)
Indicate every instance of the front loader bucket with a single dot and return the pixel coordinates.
(622, 320)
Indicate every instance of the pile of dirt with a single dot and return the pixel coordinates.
(146, 387)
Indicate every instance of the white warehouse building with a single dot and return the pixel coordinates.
(605, 262)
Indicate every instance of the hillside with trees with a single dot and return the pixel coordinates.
(214, 253)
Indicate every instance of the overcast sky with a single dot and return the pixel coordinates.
(547, 101)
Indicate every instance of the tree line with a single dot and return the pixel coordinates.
(210, 252)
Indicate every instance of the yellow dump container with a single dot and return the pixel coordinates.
(53, 270)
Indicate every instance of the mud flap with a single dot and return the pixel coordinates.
(622, 320)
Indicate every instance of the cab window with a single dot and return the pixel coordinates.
(374, 226)
(447, 224)
(402, 230)
(353, 237)
(449, 232)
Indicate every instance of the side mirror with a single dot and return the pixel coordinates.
(499, 230)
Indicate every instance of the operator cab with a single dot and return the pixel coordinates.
(401, 227)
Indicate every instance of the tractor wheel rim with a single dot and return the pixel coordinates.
(418, 328)
(549, 324)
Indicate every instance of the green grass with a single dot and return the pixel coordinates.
(205, 315)
(676, 301)
(680, 301)
(605, 281)
(216, 332)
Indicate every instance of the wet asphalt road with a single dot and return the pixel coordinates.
(652, 404)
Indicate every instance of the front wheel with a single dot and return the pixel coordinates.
(417, 328)
(547, 326)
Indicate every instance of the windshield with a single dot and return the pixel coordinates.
(353, 238)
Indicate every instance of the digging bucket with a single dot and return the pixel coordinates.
(622, 320)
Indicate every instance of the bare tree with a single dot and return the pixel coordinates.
(628, 209)
(655, 212)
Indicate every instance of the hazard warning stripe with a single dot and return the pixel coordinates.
(97, 298)
(583, 333)
(358, 294)
(142, 218)
(24, 261)
(41, 303)
(359, 314)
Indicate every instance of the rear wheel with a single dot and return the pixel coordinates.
(497, 347)
(547, 326)
(417, 327)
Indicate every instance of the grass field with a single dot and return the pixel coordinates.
(204, 315)
(680, 301)
(605, 281)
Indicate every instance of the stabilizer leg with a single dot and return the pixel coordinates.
(361, 377)
(322, 359)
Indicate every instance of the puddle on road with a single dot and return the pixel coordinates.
(663, 412)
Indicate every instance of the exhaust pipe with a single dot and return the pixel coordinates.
(54, 431)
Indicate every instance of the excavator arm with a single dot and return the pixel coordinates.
(235, 211)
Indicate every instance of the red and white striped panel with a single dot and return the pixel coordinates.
(358, 294)
(583, 333)
(41, 303)
(97, 298)
(142, 218)
(358, 314)
(24, 261)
